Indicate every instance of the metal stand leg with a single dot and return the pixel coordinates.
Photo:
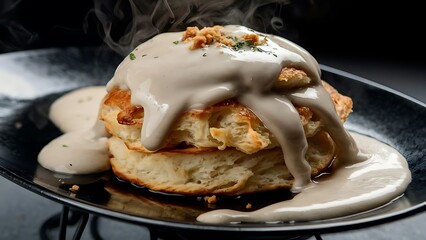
(81, 226)
(318, 237)
(152, 234)
(69, 217)
(94, 224)
(62, 221)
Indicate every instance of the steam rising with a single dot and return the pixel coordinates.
(124, 24)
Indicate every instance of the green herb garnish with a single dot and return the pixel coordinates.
(132, 56)
(204, 54)
(63, 145)
(176, 42)
(239, 45)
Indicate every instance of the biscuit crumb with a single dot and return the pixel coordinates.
(74, 188)
(248, 206)
(210, 200)
(18, 125)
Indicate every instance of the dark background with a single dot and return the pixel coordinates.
(360, 28)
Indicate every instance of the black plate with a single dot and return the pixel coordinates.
(30, 81)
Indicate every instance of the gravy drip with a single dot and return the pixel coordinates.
(81, 108)
(167, 79)
(348, 190)
(82, 149)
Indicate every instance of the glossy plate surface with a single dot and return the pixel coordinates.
(30, 81)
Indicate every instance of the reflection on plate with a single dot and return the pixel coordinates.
(36, 78)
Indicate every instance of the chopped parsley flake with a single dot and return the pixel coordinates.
(176, 42)
(204, 54)
(132, 56)
(64, 145)
(239, 45)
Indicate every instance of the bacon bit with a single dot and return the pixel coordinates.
(190, 32)
(198, 42)
(210, 200)
(248, 206)
(206, 36)
(254, 38)
(74, 188)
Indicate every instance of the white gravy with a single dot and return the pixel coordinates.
(348, 190)
(77, 109)
(82, 149)
(166, 78)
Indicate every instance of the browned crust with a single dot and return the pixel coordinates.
(256, 136)
(342, 103)
(133, 115)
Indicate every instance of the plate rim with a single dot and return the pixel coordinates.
(316, 227)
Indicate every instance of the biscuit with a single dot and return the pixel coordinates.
(224, 149)
(223, 172)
